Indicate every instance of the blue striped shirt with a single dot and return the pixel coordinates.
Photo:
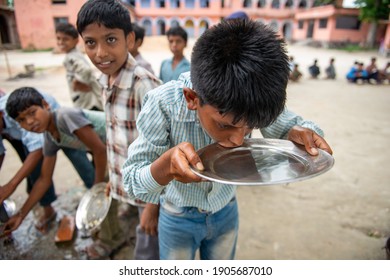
(165, 122)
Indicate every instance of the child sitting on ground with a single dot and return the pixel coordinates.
(239, 74)
(72, 128)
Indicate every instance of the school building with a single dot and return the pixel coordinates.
(31, 24)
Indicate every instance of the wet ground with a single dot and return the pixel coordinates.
(27, 243)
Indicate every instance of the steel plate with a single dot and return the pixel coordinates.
(260, 162)
(92, 209)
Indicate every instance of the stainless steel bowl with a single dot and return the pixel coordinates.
(92, 209)
(7, 209)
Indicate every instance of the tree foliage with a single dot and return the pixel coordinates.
(373, 10)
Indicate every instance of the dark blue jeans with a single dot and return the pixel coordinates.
(78, 158)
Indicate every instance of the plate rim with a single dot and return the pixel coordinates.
(282, 145)
(80, 223)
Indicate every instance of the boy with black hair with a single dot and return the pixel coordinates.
(71, 128)
(105, 27)
(29, 147)
(139, 33)
(172, 68)
(239, 74)
(83, 86)
(314, 70)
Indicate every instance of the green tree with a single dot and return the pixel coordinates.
(372, 11)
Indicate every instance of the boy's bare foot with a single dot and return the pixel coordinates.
(43, 223)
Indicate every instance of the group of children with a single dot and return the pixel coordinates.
(372, 74)
(314, 70)
(149, 132)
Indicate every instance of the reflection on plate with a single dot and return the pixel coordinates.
(261, 162)
(92, 209)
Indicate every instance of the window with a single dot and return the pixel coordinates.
(289, 4)
(58, 20)
(323, 23)
(190, 4)
(275, 4)
(302, 4)
(145, 3)
(347, 22)
(54, 2)
(261, 4)
(300, 24)
(10, 3)
(204, 3)
(160, 3)
(175, 3)
(247, 3)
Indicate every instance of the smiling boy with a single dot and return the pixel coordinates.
(105, 27)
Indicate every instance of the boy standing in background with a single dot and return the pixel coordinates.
(139, 33)
(172, 68)
(83, 87)
(105, 27)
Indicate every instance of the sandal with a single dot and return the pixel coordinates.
(99, 251)
(43, 225)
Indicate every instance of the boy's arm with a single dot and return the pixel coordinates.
(175, 164)
(28, 166)
(88, 136)
(80, 86)
(38, 190)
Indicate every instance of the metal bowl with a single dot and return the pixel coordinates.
(7, 209)
(92, 209)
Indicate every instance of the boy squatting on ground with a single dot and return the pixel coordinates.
(250, 72)
(83, 87)
(139, 34)
(29, 148)
(172, 68)
(105, 27)
(73, 128)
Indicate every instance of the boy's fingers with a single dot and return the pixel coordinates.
(192, 156)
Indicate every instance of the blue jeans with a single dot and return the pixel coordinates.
(23, 152)
(78, 159)
(82, 164)
(184, 230)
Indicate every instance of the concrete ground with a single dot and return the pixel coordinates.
(343, 214)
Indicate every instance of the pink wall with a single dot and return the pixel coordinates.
(35, 21)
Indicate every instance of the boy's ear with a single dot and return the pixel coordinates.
(45, 104)
(192, 98)
(130, 40)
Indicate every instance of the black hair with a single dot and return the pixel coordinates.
(177, 31)
(21, 99)
(241, 68)
(139, 32)
(110, 13)
(67, 29)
